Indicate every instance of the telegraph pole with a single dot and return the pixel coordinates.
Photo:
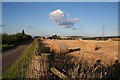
(103, 31)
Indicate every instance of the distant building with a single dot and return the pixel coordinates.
(71, 37)
(23, 32)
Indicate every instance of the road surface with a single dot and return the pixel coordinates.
(10, 56)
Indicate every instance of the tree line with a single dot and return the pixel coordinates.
(15, 38)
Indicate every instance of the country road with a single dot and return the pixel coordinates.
(10, 56)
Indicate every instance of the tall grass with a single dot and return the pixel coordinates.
(19, 68)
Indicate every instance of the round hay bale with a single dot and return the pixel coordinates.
(90, 46)
(109, 40)
(59, 48)
(63, 48)
(97, 47)
(55, 49)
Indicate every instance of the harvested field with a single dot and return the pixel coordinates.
(90, 51)
(77, 59)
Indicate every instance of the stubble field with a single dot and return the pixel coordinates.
(90, 51)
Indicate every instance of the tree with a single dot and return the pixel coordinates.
(55, 36)
(15, 38)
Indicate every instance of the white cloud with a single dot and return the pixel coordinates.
(61, 18)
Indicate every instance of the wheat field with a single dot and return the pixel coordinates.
(107, 52)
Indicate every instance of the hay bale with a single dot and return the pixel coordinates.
(90, 46)
(55, 49)
(109, 40)
(63, 49)
(97, 47)
(59, 48)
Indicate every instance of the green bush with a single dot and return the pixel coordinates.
(6, 46)
(19, 68)
(15, 38)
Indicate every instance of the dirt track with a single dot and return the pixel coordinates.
(10, 56)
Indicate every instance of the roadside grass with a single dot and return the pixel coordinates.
(6, 46)
(19, 67)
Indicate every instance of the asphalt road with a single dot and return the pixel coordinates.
(11, 55)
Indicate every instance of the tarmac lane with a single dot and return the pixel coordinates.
(11, 55)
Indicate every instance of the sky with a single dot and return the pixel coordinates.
(60, 0)
(35, 18)
(0, 17)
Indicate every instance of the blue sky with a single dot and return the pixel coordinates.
(33, 17)
(60, 0)
(0, 13)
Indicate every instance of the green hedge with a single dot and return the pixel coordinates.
(6, 46)
(19, 68)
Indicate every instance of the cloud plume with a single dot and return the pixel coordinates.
(62, 19)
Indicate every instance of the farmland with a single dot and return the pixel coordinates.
(70, 62)
(74, 59)
(107, 52)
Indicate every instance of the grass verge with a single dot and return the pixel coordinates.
(6, 46)
(19, 68)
